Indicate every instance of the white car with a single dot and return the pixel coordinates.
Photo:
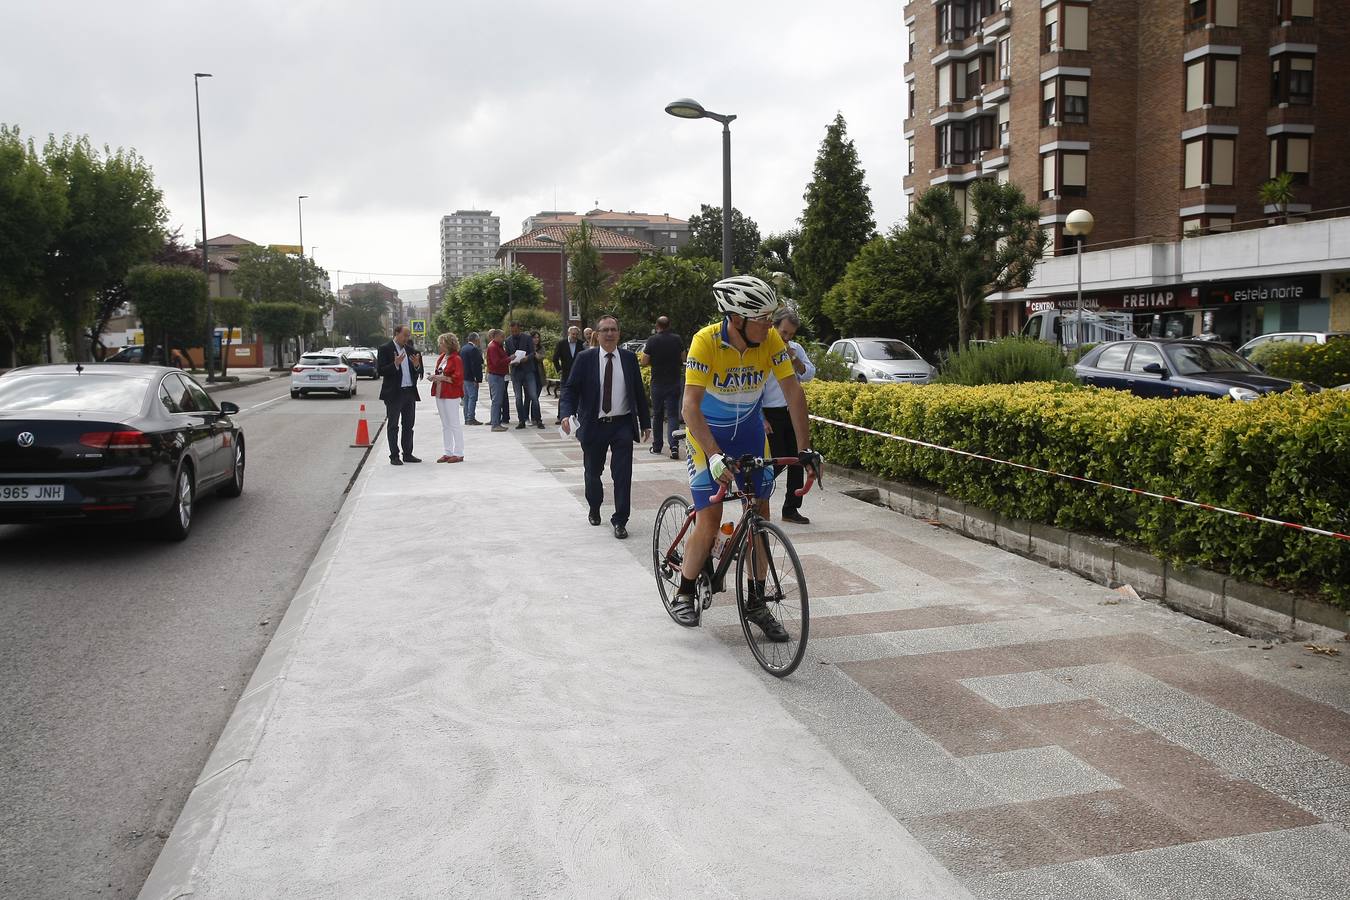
(1290, 337)
(883, 360)
(322, 372)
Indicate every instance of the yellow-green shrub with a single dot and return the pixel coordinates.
(1325, 364)
(1286, 456)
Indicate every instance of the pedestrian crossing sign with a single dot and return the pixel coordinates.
(419, 327)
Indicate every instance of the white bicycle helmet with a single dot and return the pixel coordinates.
(745, 295)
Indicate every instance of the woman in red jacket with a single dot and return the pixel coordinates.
(447, 386)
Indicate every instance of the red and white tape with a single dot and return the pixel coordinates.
(1106, 484)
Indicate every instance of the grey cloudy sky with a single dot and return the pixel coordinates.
(391, 114)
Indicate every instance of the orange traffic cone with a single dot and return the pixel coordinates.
(362, 430)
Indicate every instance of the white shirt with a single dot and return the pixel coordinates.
(619, 397)
(407, 365)
(773, 391)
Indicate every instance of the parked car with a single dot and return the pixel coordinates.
(109, 442)
(322, 372)
(136, 354)
(363, 363)
(1165, 368)
(1290, 337)
(885, 360)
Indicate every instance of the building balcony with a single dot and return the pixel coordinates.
(1293, 33)
(1211, 195)
(959, 110)
(1207, 115)
(1065, 131)
(996, 91)
(999, 21)
(1295, 114)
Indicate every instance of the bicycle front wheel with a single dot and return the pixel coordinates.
(767, 556)
(667, 556)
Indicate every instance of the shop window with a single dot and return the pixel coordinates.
(1291, 79)
(1208, 161)
(1292, 154)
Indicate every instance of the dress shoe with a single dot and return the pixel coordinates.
(443, 459)
(794, 516)
(621, 532)
(395, 461)
(519, 425)
(655, 451)
(499, 428)
(594, 517)
(408, 457)
(539, 425)
(455, 459)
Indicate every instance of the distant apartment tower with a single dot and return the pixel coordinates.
(469, 242)
(1160, 117)
(663, 231)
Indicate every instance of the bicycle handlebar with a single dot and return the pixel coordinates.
(753, 463)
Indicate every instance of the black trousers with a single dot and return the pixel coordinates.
(665, 413)
(783, 442)
(401, 412)
(616, 440)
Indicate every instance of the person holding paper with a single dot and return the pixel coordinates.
(520, 347)
(606, 395)
(400, 365)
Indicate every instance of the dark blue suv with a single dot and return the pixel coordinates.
(1177, 369)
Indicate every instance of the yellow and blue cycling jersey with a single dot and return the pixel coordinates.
(733, 389)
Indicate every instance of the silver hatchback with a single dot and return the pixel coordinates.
(883, 360)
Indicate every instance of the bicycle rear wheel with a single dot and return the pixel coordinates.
(665, 561)
(767, 552)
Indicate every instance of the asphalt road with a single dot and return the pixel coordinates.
(121, 657)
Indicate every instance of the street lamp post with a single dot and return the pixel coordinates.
(209, 352)
(685, 108)
(300, 214)
(562, 273)
(1079, 224)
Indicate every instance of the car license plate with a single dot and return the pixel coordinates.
(33, 493)
(317, 376)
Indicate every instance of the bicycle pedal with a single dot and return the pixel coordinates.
(707, 603)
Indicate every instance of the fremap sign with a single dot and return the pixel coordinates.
(1191, 296)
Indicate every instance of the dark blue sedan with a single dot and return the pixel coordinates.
(363, 363)
(1177, 369)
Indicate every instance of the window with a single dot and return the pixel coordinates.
(1211, 81)
(974, 76)
(1005, 58)
(1064, 100)
(944, 85)
(958, 143)
(1064, 174)
(1203, 13)
(910, 114)
(1294, 11)
(909, 145)
(1292, 154)
(1004, 125)
(1075, 27)
(1145, 354)
(1209, 161)
(1049, 105)
(1048, 175)
(1291, 79)
(1051, 29)
(1113, 357)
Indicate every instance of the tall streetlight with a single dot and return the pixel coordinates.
(685, 108)
(1078, 224)
(300, 214)
(510, 301)
(562, 270)
(210, 350)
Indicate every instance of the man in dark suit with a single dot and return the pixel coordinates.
(565, 353)
(400, 365)
(605, 392)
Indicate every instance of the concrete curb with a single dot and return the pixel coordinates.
(1211, 596)
(198, 827)
(213, 387)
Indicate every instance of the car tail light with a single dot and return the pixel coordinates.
(339, 368)
(297, 368)
(116, 440)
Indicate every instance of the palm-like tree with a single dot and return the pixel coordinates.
(1279, 192)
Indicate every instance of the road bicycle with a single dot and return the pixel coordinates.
(757, 547)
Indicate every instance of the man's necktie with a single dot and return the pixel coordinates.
(607, 395)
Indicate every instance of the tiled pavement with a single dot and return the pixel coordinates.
(1042, 735)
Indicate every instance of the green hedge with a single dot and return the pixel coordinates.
(1286, 456)
(1325, 364)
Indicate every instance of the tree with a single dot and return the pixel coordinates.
(836, 223)
(362, 316)
(272, 276)
(671, 286)
(1279, 193)
(776, 252)
(115, 220)
(33, 208)
(997, 250)
(230, 313)
(586, 274)
(111, 298)
(705, 238)
(170, 300)
(279, 321)
(479, 302)
(883, 292)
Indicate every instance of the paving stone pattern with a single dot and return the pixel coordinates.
(1042, 735)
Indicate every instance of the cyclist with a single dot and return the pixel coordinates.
(724, 379)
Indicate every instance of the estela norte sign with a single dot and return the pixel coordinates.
(1190, 296)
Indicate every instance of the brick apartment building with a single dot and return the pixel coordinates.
(1160, 117)
(544, 259)
(663, 231)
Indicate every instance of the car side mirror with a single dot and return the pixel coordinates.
(1155, 369)
(229, 409)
